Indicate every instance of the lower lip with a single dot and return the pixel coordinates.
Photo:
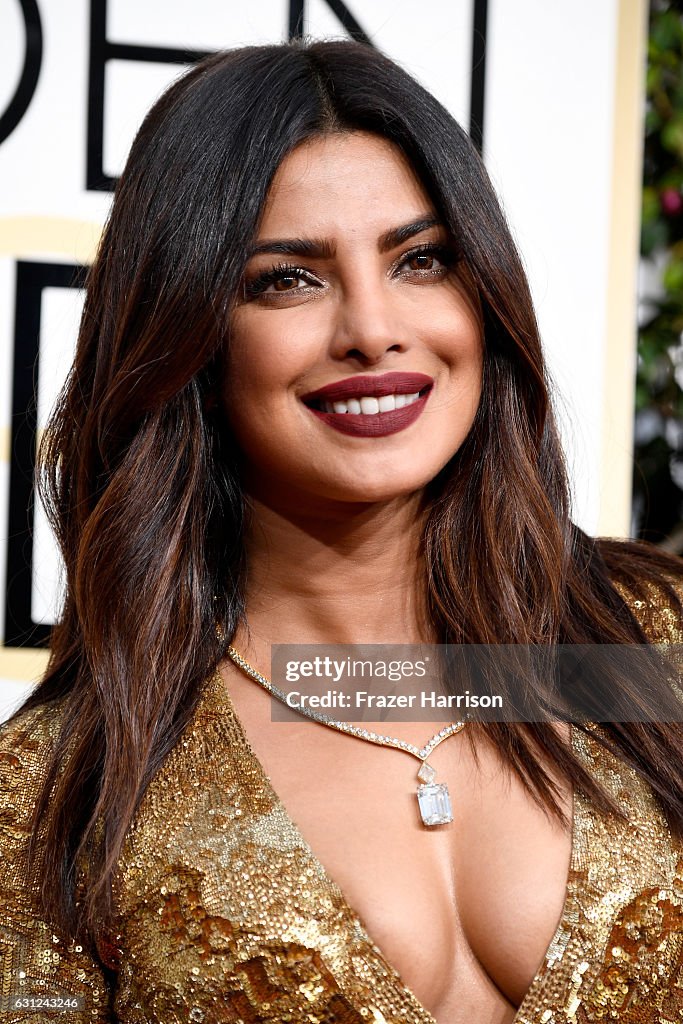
(378, 425)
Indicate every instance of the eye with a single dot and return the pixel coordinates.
(286, 283)
(422, 261)
(427, 260)
(279, 281)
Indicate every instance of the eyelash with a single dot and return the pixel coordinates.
(257, 286)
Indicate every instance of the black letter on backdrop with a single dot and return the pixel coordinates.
(478, 73)
(297, 29)
(20, 629)
(296, 20)
(101, 50)
(33, 57)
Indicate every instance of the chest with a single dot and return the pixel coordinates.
(464, 912)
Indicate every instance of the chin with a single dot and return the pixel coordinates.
(380, 491)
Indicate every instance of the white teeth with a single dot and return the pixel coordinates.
(370, 406)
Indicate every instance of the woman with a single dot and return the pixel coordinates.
(302, 233)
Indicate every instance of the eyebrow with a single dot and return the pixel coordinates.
(396, 236)
(320, 248)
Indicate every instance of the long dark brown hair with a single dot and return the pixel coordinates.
(140, 475)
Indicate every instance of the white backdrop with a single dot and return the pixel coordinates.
(561, 131)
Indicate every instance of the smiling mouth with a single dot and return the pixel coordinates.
(370, 394)
(367, 405)
(371, 406)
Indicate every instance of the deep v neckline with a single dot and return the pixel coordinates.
(223, 696)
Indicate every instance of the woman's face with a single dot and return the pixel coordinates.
(355, 359)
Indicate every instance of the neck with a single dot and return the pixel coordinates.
(354, 575)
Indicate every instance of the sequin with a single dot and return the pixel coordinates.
(223, 914)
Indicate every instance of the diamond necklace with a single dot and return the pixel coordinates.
(433, 797)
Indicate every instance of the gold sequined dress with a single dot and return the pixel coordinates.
(225, 915)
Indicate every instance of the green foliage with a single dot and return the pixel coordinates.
(658, 480)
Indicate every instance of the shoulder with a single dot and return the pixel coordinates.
(25, 749)
(26, 744)
(650, 582)
(31, 724)
(31, 731)
(36, 964)
(658, 609)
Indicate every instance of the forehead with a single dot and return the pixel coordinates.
(342, 183)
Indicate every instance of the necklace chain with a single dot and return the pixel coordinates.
(421, 753)
(433, 797)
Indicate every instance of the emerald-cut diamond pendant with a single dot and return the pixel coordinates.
(433, 798)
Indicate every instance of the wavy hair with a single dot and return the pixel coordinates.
(139, 470)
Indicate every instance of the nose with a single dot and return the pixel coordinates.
(367, 324)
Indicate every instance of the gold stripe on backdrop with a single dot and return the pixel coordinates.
(618, 408)
(35, 236)
(23, 666)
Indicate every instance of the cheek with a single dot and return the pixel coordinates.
(461, 352)
(453, 320)
(253, 368)
(268, 352)
(459, 344)
(260, 373)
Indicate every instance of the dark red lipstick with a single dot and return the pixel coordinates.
(370, 386)
(371, 424)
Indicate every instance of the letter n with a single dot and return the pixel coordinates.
(339, 9)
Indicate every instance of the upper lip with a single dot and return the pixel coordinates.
(371, 386)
